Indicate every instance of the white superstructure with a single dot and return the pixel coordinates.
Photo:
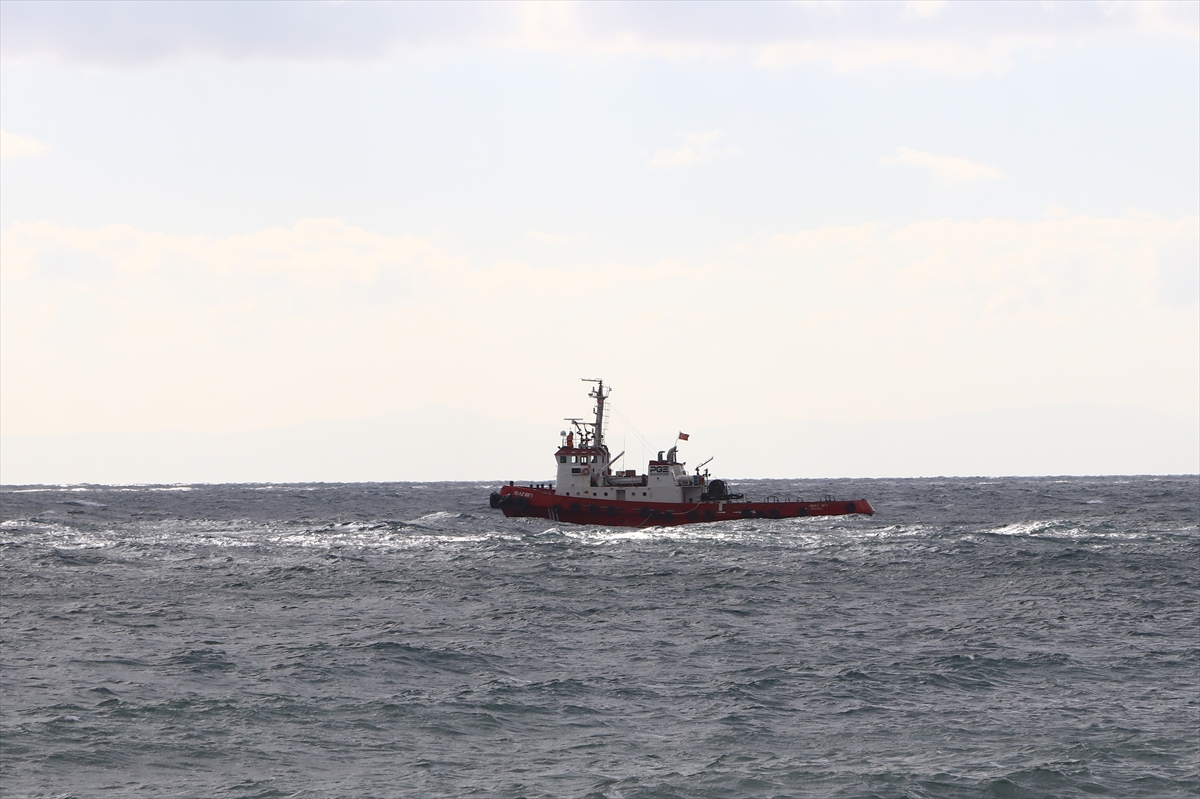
(585, 467)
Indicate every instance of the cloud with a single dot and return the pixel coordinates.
(13, 145)
(550, 238)
(997, 269)
(697, 148)
(924, 8)
(955, 37)
(327, 320)
(947, 167)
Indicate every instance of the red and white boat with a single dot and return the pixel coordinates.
(590, 491)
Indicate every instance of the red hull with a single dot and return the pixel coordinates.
(543, 503)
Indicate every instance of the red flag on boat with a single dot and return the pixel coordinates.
(683, 436)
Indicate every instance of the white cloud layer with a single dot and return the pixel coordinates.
(696, 149)
(958, 37)
(947, 167)
(13, 145)
(924, 8)
(550, 238)
(325, 320)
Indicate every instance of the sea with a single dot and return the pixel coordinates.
(1000, 637)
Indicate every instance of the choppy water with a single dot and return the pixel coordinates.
(998, 638)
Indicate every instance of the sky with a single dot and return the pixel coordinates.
(231, 217)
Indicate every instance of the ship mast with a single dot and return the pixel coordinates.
(598, 394)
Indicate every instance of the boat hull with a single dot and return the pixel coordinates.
(543, 503)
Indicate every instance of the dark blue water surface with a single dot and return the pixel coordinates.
(1018, 637)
